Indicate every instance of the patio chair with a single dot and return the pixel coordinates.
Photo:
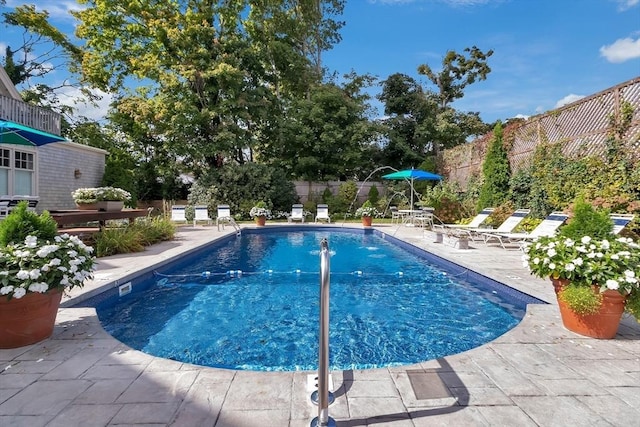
(322, 213)
(548, 227)
(297, 213)
(620, 221)
(201, 213)
(424, 218)
(475, 222)
(178, 213)
(507, 226)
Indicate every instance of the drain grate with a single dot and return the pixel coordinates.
(428, 385)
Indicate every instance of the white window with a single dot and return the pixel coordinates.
(17, 171)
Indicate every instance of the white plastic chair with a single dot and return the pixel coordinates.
(548, 227)
(297, 213)
(201, 213)
(178, 213)
(322, 213)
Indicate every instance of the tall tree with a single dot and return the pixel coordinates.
(216, 72)
(458, 71)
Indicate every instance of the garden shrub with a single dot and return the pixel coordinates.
(373, 195)
(496, 172)
(22, 222)
(134, 238)
(587, 221)
(500, 214)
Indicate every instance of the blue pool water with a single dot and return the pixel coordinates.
(388, 306)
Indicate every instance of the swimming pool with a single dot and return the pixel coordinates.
(252, 303)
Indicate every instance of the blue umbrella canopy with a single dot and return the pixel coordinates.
(412, 175)
(14, 133)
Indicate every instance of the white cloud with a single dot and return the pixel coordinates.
(626, 4)
(621, 50)
(568, 100)
(74, 98)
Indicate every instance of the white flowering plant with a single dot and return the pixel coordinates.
(260, 209)
(609, 263)
(37, 265)
(367, 209)
(99, 194)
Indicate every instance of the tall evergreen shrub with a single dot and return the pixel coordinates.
(496, 172)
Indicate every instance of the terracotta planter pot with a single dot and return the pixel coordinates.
(261, 220)
(367, 220)
(29, 319)
(601, 325)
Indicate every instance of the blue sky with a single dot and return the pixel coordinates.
(546, 52)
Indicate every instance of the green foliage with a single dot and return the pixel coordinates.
(520, 187)
(632, 305)
(347, 192)
(581, 299)
(373, 195)
(587, 221)
(445, 198)
(22, 222)
(327, 195)
(189, 212)
(496, 172)
(240, 185)
(500, 214)
(134, 238)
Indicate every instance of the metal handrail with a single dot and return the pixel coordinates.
(324, 397)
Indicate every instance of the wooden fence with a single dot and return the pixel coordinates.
(582, 128)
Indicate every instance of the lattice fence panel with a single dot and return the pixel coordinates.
(582, 127)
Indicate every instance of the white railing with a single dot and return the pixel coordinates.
(29, 115)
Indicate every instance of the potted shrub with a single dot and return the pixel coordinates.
(101, 198)
(367, 212)
(595, 279)
(36, 266)
(259, 212)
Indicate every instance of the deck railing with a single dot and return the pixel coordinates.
(29, 115)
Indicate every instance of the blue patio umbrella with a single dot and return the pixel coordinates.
(14, 133)
(412, 175)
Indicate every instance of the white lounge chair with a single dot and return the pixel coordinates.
(620, 221)
(507, 226)
(178, 213)
(547, 227)
(201, 213)
(322, 213)
(475, 222)
(297, 213)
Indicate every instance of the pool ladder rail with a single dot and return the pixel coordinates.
(322, 397)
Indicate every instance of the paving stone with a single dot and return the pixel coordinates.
(40, 366)
(612, 409)
(368, 407)
(25, 420)
(43, 397)
(505, 416)
(77, 365)
(256, 391)
(103, 392)
(202, 404)
(372, 388)
(629, 395)
(10, 380)
(82, 415)
(158, 387)
(449, 417)
(558, 411)
(470, 396)
(106, 372)
(146, 413)
(571, 387)
(248, 418)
